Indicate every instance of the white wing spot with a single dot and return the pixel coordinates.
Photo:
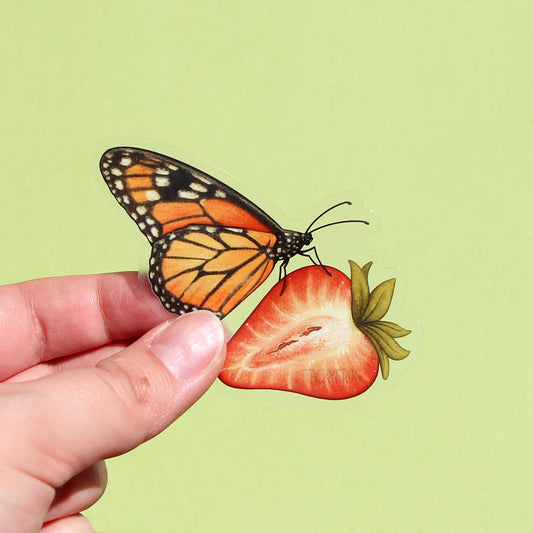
(125, 161)
(162, 171)
(141, 209)
(189, 195)
(198, 187)
(116, 171)
(154, 231)
(162, 182)
(220, 194)
(201, 177)
(150, 220)
(152, 196)
(119, 185)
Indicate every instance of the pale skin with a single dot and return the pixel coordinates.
(90, 367)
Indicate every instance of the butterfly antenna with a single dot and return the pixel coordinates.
(326, 211)
(339, 222)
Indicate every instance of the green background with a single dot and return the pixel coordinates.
(424, 109)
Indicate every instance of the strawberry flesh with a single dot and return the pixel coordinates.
(303, 340)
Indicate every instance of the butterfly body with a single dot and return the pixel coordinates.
(211, 246)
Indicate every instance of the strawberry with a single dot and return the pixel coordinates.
(318, 334)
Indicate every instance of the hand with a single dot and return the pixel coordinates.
(76, 388)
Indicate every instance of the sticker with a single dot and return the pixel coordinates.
(317, 332)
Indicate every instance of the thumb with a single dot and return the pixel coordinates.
(69, 420)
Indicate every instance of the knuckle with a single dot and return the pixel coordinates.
(133, 387)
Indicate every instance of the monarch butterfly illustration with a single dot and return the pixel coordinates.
(211, 246)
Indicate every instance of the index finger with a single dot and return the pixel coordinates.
(52, 317)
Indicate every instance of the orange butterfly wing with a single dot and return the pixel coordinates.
(211, 246)
(162, 195)
(209, 267)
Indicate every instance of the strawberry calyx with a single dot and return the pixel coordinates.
(368, 308)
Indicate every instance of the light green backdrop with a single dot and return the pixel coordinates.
(422, 108)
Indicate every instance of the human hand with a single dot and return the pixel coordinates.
(76, 388)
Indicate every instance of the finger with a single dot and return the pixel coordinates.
(72, 419)
(55, 317)
(80, 360)
(71, 524)
(79, 493)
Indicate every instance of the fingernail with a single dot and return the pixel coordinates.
(189, 343)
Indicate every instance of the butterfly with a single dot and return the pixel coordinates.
(211, 246)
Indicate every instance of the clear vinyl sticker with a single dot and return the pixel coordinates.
(318, 332)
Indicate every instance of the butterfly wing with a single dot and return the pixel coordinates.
(209, 267)
(162, 195)
(211, 246)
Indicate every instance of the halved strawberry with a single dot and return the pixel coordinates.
(321, 336)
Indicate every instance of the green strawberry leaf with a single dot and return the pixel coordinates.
(366, 269)
(382, 355)
(360, 291)
(390, 328)
(367, 311)
(391, 348)
(379, 301)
